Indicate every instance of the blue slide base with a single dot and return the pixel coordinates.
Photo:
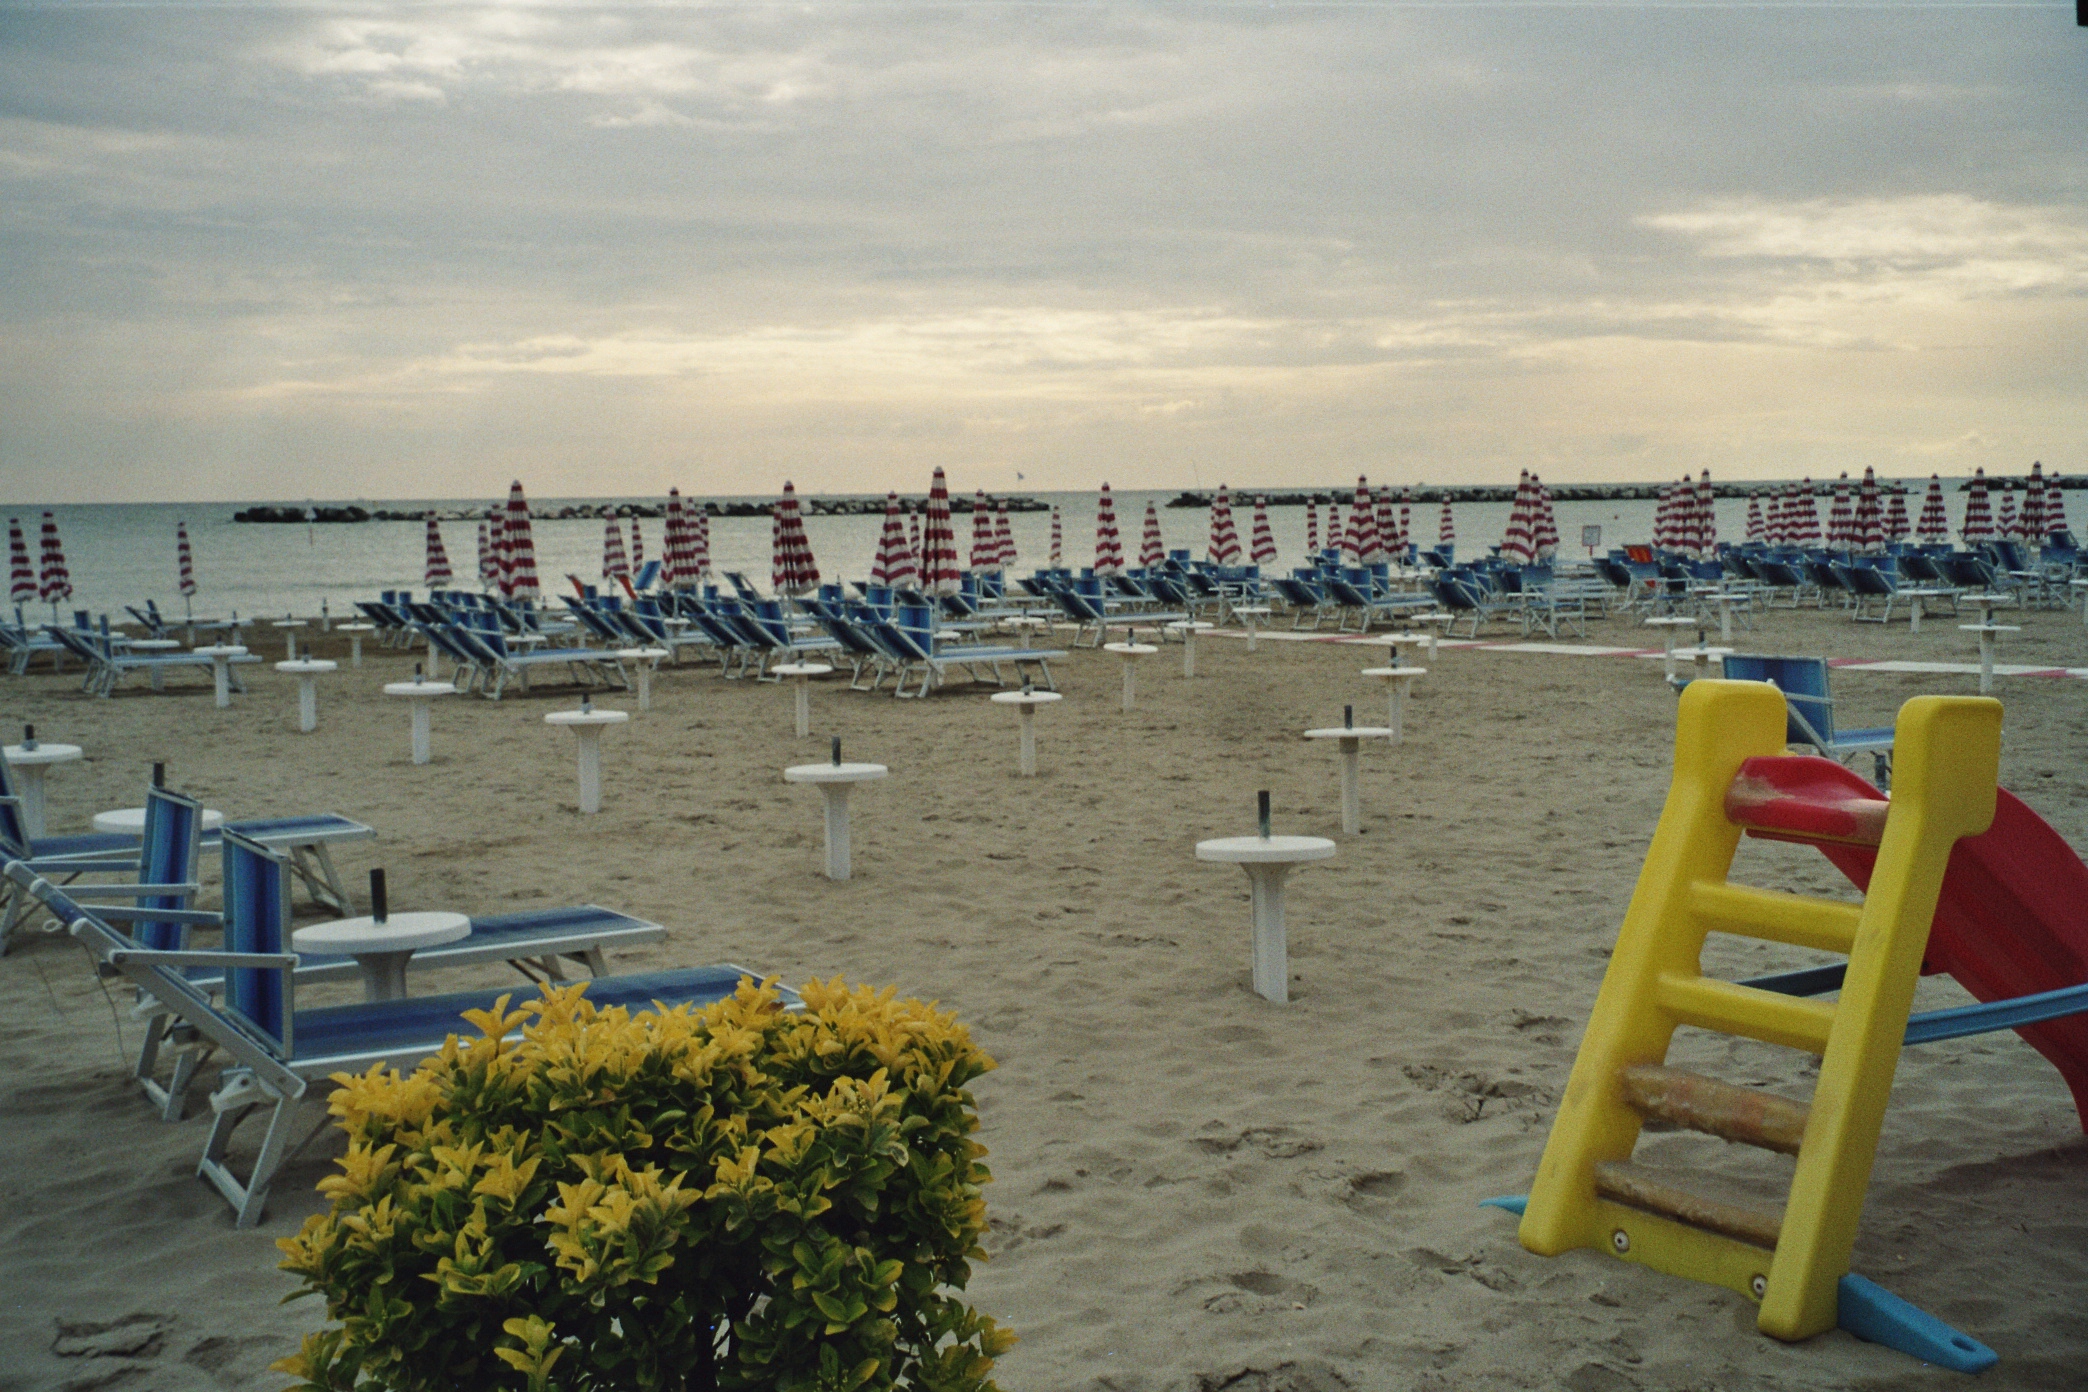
(1513, 1203)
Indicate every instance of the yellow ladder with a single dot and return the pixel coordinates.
(1946, 756)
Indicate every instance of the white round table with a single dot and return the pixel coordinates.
(1703, 657)
(1987, 633)
(800, 675)
(29, 766)
(1267, 861)
(644, 660)
(1667, 624)
(1400, 642)
(1026, 703)
(158, 675)
(1398, 681)
(221, 655)
(1435, 640)
(130, 821)
(288, 628)
(587, 725)
(1725, 600)
(1130, 655)
(833, 782)
(1248, 614)
(420, 693)
(307, 671)
(1351, 738)
(1189, 629)
(355, 631)
(381, 949)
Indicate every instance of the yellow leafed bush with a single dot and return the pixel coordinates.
(725, 1198)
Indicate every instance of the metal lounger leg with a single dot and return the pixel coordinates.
(241, 1095)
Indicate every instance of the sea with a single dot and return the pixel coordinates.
(122, 554)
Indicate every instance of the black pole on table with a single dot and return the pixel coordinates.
(380, 903)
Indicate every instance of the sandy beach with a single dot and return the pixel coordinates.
(1194, 1189)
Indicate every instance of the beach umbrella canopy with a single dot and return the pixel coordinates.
(436, 570)
(1003, 537)
(184, 561)
(1754, 515)
(489, 551)
(1544, 530)
(1446, 525)
(2005, 525)
(637, 545)
(1805, 515)
(1515, 539)
(938, 555)
(1869, 529)
(1312, 545)
(1058, 539)
(1224, 546)
(792, 570)
(615, 564)
(21, 585)
(1896, 524)
(2033, 520)
(1706, 518)
(1151, 550)
(1109, 547)
(53, 581)
(1361, 543)
(677, 544)
(913, 541)
(521, 569)
(985, 551)
(1979, 519)
(699, 562)
(1840, 517)
(891, 554)
(1263, 550)
(1387, 525)
(1406, 508)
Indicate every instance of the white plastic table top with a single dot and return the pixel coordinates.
(44, 753)
(1351, 732)
(834, 773)
(1190, 626)
(306, 666)
(1265, 850)
(420, 690)
(402, 932)
(801, 669)
(1250, 608)
(1670, 621)
(355, 628)
(645, 655)
(223, 650)
(586, 718)
(288, 623)
(1025, 698)
(1991, 628)
(1703, 654)
(1389, 673)
(1130, 649)
(154, 644)
(130, 821)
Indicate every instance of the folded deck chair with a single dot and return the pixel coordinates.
(497, 664)
(108, 664)
(279, 1050)
(1810, 709)
(911, 636)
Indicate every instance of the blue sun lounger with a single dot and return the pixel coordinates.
(910, 635)
(1810, 709)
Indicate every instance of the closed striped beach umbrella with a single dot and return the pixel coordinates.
(53, 581)
(1361, 542)
(1706, 517)
(521, 547)
(792, 571)
(1262, 550)
(1870, 514)
(1387, 526)
(1058, 539)
(1979, 518)
(891, 545)
(184, 562)
(913, 542)
(672, 543)
(1805, 515)
(21, 584)
(699, 543)
(939, 572)
(1841, 518)
(1896, 524)
(1544, 535)
(489, 550)
(1515, 538)
(2033, 520)
(2005, 524)
(1406, 510)
(1003, 536)
(436, 570)
(616, 563)
(1109, 547)
(1446, 525)
(1312, 542)
(1223, 548)
(985, 551)
(1664, 519)
(1151, 550)
(1754, 516)
(637, 546)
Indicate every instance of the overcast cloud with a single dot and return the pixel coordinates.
(406, 250)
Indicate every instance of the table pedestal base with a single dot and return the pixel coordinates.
(420, 732)
(644, 675)
(384, 974)
(590, 767)
(1029, 742)
(1271, 946)
(1351, 787)
(221, 678)
(307, 705)
(804, 709)
(837, 864)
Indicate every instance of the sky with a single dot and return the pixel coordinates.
(392, 251)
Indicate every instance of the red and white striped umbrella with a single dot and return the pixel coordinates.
(615, 564)
(1109, 547)
(1869, 531)
(53, 582)
(1805, 515)
(21, 585)
(185, 562)
(939, 572)
(1334, 533)
(913, 542)
(673, 544)
(1312, 546)
(792, 570)
(1263, 550)
(893, 557)
(1754, 516)
(699, 543)
(1058, 540)
(1224, 545)
(1406, 510)
(1003, 537)
(1515, 538)
(1706, 517)
(490, 527)
(1151, 550)
(1896, 524)
(1390, 544)
(1446, 525)
(1841, 518)
(1979, 518)
(521, 577)
(2005, 525)
(1361, 542)
(1544, 536)
(637, 546)
(436, 570)
(2035, 506)
(985, 551)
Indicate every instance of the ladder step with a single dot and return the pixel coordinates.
(1630, 1184)
(1801, 920)
(1714, 1108)
(1789, 1021)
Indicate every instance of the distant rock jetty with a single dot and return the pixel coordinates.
(811, 507)
(1566, 492)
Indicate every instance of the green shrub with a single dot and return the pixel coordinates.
(730, 1198)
